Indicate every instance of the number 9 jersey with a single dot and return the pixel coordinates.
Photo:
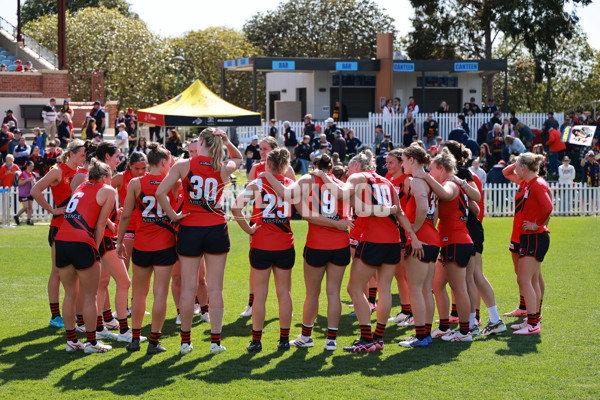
(273, 217)
(154, 230)
(202, 192)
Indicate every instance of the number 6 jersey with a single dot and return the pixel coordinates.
(81, 215)
(202, 192)
(273, 215)
(154, 230)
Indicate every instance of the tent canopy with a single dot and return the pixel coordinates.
(198, 106)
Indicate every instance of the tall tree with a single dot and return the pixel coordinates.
(319, 28)
(472, 27)
(34, 9)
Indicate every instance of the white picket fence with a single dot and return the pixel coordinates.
(578, 200)
(365, 129)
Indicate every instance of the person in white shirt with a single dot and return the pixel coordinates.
(412, 107)
(49, 115)
(476, 169)
(122, 139)
(566, 176)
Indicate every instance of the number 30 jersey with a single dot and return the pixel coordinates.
(202, 192)
(273, 216)
(154, 230)
(378, 191)
(81, 215)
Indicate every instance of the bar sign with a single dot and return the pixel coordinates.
(466, 66)
(229, 63)
(284, 65)
(243, 61)
(346, 66)
(404, 67)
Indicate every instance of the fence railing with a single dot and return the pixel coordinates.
(576, 200)
(365, 129)
(31, 43)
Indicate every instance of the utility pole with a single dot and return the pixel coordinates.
(19, 35)
(62, 35)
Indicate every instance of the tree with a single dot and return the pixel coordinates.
(136, 63)
(34, 9)
(319, 28)
(472, 28)
(203, 50)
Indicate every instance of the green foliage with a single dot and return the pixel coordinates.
(319, 28)
(134, 60)
(202, 51)
(559, 363)
(34, 9)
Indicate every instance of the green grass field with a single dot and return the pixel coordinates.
(563, 361)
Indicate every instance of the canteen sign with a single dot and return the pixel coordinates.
(466, 66)
(404, 67)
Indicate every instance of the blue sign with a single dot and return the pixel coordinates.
(243, 61)
(466, 66)
(404, 67)
(284, 65)
(229, 63)
(346, 66)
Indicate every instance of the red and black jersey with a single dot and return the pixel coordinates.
(480, 203)
(260, 168)
(322, 201)
(453, 216)
(427, 234)
(81, 215)
(127, 177)
(154, 229)
(378, 191)
(359, 226)
(514, 237)
(535, 205)
(203, 189)
(61, 193)
(402, 196)
(275, 232)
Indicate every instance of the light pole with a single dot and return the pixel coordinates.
(179, 63)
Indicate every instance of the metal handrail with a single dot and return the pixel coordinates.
(30, 43)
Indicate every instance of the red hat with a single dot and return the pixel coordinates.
(130, 109)
(432, 148)
(18, 61)
(502, 162)
(318, 127)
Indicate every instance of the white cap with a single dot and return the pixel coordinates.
(286, 123)
(329, 120)
(254, 137)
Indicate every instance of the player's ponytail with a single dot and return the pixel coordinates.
(214, 144)
(90, 151)
(324, 164)
(417, 153)
(278, 160)
(531, 161)
(446, 160)
(363, 160)
(458, 150)
(156, 154)
(98, 170)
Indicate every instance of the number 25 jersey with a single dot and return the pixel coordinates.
(154, 230)
(202, 192)
(273, 215)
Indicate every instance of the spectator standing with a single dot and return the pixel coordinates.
(525, 134)
(495, 141)
(490, 108)
(66, 109)
(496, 119)
(590, 174)
(272, 129)
(467, 109)
(470, 144)
(430, 130)
(513, 118)
(38, 161)
(65, 134)
(49, 116)
(411, 107)
(506, 127)
(556, 149)
(26, 180)
(302, 152)
(120, 119)
(386, 145)
(130, 116)
(252, 153)
(279, 138)
(51, 155)
(482, 133)
(330, 129)
(5, 138)
(10, 117)
(566, 176)
(122, 138)
(8, 171)
(444, 108)
(594, 148)
(474, 107)
(340, 113)
(476, 169)
(289, 137)
(378, 136)
(132, 132)
(486, 159)
(514, 145)
(388, 109)
(141, 146)
(397, 106)
(22, 152)
(309, 127)
(339, 145)
(16, 138)
(100, 117)
(463, 125)
(409, 128)
(40, 139)
(173, 142)
(352, 144)
(549, 123)
(495, 174)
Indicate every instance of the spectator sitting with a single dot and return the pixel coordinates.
(476, 169)
(20, 67)
(29, 67)
(279, 138)
(514, 145)
(302, 152)
(495, 141)
(65, 135)
(490, 108)
(339, 145)
(40, 138)
(352, 144)
(495, 174)
(539, 149)
(26, 180)
(470, 144)
(438, 142)
(430, 130)
(474, 107)
(122, 139)
(38, 161)
(335, 159)
(14, 142)
(456, 135)
(51, 155)
(22, 153)
(385, 146)
(10, 117)
(323, 148)
(3, 68)
(8, 172)
(591, 170)
(322, 141)
(486, 159)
